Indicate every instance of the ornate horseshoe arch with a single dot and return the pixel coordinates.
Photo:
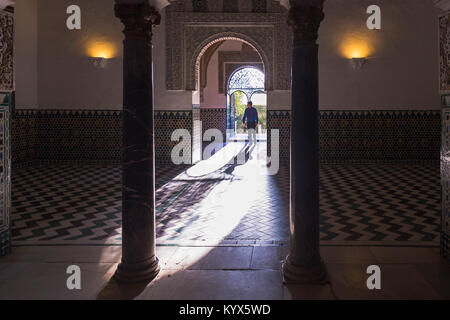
(193, 69)
(189, 34)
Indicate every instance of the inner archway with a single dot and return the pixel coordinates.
(244, 85)
(219, 62)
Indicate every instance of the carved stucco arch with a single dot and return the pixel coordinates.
(244, 66)
(193, 68)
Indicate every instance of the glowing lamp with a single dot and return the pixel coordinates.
(100, 53)
(357, 51)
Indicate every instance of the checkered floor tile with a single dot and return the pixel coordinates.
(372, 204)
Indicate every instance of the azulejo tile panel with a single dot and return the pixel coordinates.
(166, 122)
(5, 181)
(85, 135)
(444, 48)
(214, 118)
(23, 136)
(445, 183)
(78, 135)
(279, 120)
(374, 136)
(345, 136)
(445, 245)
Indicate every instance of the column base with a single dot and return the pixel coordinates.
(295, 274)
(137, 272)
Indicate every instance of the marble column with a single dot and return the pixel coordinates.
(139, 262)
(304, 264)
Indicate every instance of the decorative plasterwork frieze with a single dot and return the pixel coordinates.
(189, 34)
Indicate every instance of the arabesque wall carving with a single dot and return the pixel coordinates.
(190, 33)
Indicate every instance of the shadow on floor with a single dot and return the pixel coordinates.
(122, 291)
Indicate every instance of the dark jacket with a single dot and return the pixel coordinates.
(250, 116)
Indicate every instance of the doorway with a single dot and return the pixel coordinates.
(246, 84)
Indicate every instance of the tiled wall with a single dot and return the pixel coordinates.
(59, 135)
(165, 123)
(23, 136)
(369, 136)
(345, 136)
(445, 183)
(214, 118)
(5, 178)
(85, 136)
(280, 120)
(78, 135)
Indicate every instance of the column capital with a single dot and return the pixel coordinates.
(305, 22)
(139, 19)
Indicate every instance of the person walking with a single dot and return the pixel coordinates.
(251, 118)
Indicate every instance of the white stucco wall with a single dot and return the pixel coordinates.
(402, 70)
(212, 97)
(25, 54)
(52, 69)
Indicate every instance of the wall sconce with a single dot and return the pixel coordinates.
(100, 52)
(99, 62)
(358, 63)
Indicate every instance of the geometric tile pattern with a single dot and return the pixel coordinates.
(166, 122)
(369, 136)
(345, 136)
(63, 204)
(280, 120)
(23, 136)
(78, 135)
(203, 209)
(444, 50)
(85, 135)
(213, 118)
(390, 204)
(445, 180)
(5, 176)
(359, 205)
(69, 204)
(380, 135)
(445, 245)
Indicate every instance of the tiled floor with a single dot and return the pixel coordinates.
(220, 202)
(64, 215)
(235, 273)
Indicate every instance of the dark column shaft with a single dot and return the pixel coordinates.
(139, 261)
(303, 263)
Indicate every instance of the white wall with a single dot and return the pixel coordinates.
(66, 78)
(212, 97)
(166, 100)
(25, 54)
(402, 71)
